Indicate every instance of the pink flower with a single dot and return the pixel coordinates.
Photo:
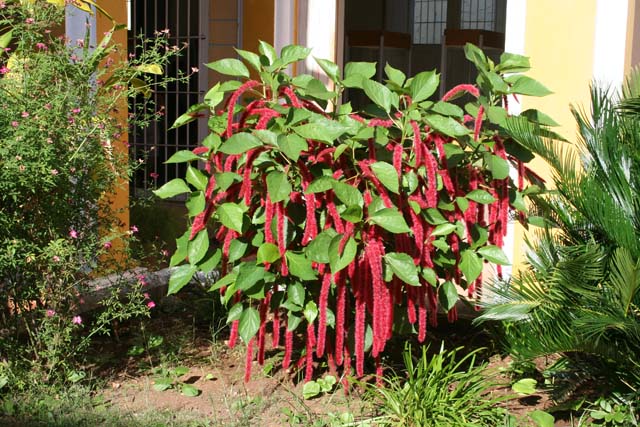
(73, 234)
(15, 124)
(142, 280)
(41, 46)
(50, 313)
(4, 70)
(194, 69)
(164, 253)
(77, 320)
(80, 43)
(56, 258)
(146, 295)
(75, 110)
(107, 245)
(54, 172)
(47, 106)
(29, 21)
(154, 175)
(134, 229)
(151, 304)
(25, 114)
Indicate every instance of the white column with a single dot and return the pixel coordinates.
(610, 42)
(318, 30)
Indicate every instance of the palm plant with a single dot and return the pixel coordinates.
(580, 296)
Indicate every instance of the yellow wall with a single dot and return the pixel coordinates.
(118, 10)
(257, 23)
(559, 39)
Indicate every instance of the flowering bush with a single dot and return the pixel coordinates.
(347, 224)
(61, 157)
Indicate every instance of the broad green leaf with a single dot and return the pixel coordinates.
(300, 266)
(470, 265)
(278, 186)
(292, 145)
(430, 276)
(387, 175)
(249, 324)
(150, 69)
(180, 276)
(321, 184)
(268, 253)
(352, 214)
(240, 143)
(252, 58)
(5, 39)
(182, 156)
(364, 69)
(539, 117)
(446, 125)
(525, 386)
(196, 178)
(444, 229)
(318, 249)
(494, 254)
(266, 136)
(296, 293)
(294, 53)
(193, 113)
(524, 85)
(378, 93)
(463, 204)
(337, 260)
(474, 54)
(211, 261)
(396, 76)
(195, 203)
(237, 249)
(180, 254)
(198, 247)
(330, 68)
(214, 96)
(229, 67)
(513, 63)
(498, 166)
(172, 188)
(403, 266)
(268, 51)
(543, 419)
(226, 280)
(480, 196)
(224, 180)
(231, 216)
(447, 109)
(310, 389)
(189, 390)
(322, 130)
(448, 295)
(434, 217)
(423, 85)
(293, 321)
(348, 194)
(310, 311)
(249, 274)
(391, 220)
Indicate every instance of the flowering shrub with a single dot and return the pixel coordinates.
(61, 156)
(347, 224)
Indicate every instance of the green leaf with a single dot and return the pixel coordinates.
(268, 51)
(330, 68)
(146, 68)
(318, 249)
(190, 115)
(189, 390)
(542, 419)
(240, 143)
(323, 129)
(162, 384)
(231, 216)
(182, 156)
(364, 69)
(228, 279)
(300, 266)
(403, 266)
(446, 125)
(292, 145)
(423, 85)
(391, 220)
(463, 204)
(296, 293)
(481, 196)
(235, 312)
(474, 54)
(525, 386)
(229, 67)
(387, 175)
(396, 76)
(498, 166)
(214, 96)
(268, 253)
(524, 85)
(249, 274)
(378, 93)
(470, 265)
(430, 276)
(321, 184)
(172, 188)
(337, 260)
(310, 389)
(352, 214)
(182, 243)
(513, 63)
(196, 178)
(5, 40)
(198, 247)
(237, 249)
(249, 324)
(278, 186)
(310, 311)
(348, 194)
(252, 58)
(180, 276)
(538, 117)
(447, 109)
(195, 203)
(294, 53)
(494, 254)
(444, 229)
(448, 295)
(224, 180)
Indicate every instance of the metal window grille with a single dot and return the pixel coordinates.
(483, 15)
(187, 22)
(430, 21)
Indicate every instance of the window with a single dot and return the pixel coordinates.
(483, 15)
(430, 20)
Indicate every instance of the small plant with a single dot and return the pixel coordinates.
(169, 379)
(615, 412)
(439, 390)
(317, 387)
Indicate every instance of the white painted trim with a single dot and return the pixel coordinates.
(320, 33)
(283, 25)
(610, 41)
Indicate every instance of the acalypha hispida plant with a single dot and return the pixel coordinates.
(343, 224)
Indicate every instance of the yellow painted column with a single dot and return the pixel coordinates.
(257, 23)
(118, 11)
(559, 40)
